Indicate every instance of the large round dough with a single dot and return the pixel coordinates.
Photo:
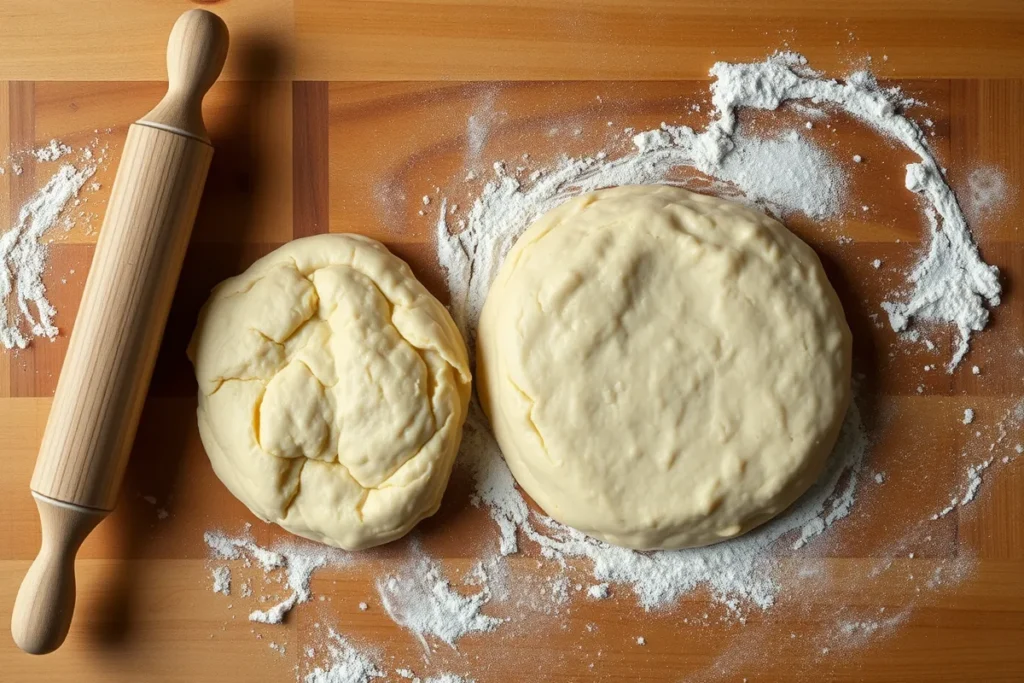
(332, 390)
(663, 369)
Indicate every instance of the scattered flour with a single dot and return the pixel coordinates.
(299, 561)
(232, 548)
(443, 678)
(852, 627)
(347, 665)
(802, 177)
(970, 491)
(987, 192)
(951, 284)
(974, 481)
(478, 126)
(52, 151)
(222, 580)
(23, 260)
(560, 590)
(420, 599)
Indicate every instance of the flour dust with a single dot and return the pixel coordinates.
(25, 310)
(421, 600)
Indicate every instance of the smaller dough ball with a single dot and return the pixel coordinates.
(663, 369)
(332, 390)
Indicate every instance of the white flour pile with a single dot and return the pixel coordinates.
(25, 312)
(52, 151)
(420, 599)
(347, 665)
(222, 580)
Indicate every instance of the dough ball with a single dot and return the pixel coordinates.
(332, 390)
(663, 369)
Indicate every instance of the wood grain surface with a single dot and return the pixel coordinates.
(339, 116)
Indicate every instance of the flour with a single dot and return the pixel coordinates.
(987, 192)
(52, 151)
(299, 561)
(1010, 422)
(785, 174)
(478, 126)
(222, 580)
(443, 678)
(974, 481)
(951, 284)
(970, 490)
(23, 260)
(420, 599)
(347, 665)
(228, 548)
(25, 311)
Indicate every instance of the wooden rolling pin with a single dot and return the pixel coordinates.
(117, 333)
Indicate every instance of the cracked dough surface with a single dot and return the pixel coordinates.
(663, 369)
(332, 390)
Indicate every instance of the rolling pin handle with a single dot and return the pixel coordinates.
(46, 601)
(195, 55)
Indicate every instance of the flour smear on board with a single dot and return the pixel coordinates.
(25, 311)
(420, 599)
(784, 173)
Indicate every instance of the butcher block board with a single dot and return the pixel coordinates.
(340, 116)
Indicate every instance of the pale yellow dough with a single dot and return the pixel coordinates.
(663, 369)
(332, 390)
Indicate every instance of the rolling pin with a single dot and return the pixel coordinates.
(120, 322)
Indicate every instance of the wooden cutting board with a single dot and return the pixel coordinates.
(340, 116)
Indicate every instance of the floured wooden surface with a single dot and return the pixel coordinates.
(308, 157)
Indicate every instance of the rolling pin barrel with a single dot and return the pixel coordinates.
(117, 332)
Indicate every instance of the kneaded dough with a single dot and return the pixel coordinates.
(663, 369)
(332, 390)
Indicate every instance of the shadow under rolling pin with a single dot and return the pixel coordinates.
(114, 344)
